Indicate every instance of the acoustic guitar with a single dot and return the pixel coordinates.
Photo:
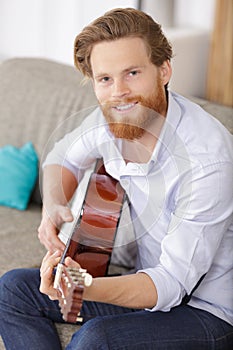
(90, 242)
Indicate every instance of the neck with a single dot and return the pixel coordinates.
(140, 150)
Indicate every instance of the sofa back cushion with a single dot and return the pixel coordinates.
(38, 95)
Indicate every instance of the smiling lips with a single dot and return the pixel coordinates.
(125, 107)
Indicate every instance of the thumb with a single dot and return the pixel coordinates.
(66, 214)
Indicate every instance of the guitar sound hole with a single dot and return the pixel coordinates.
(106, 187)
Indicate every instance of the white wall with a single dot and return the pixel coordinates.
(19, 27)
(163, 14)
(188, 25)
(194, 13)
(181, 13)
(190, 61)
(47, 28)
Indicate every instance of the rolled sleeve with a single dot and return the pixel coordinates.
(170, 292)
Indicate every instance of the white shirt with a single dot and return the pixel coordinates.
(181, 201)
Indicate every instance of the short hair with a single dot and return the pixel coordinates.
(116, 24)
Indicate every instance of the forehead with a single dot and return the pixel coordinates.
(119, 54)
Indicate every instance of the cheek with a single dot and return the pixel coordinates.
(102, 95)
(145, 86)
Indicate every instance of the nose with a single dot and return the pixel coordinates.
(120, 88)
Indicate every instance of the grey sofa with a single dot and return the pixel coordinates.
(40, 101)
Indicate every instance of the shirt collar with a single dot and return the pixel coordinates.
(169, 128)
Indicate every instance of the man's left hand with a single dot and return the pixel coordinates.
(49, 262)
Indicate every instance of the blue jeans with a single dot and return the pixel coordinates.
(27, 322)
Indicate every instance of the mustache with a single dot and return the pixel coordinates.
(138, 100)
(121, 102)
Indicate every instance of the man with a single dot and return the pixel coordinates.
(175, 163)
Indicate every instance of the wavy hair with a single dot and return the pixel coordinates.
(121, 23)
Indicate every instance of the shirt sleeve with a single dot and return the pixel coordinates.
(201, 217)
(76, 150)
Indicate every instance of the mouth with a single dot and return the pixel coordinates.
(125, 107)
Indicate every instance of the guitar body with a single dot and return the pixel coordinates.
(93, 234)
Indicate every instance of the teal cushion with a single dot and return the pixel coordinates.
(18, 174)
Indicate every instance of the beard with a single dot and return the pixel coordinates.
(134, 125)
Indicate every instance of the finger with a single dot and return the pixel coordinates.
(55, 295)
(54, 243)
(49, 253)
(51, 259)
(71, 263)
(47, 276)
(51, 241)
(46, 285)
(46, 228)
(60, 215)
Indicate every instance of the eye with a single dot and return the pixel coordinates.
(104, 79)
(133, 73)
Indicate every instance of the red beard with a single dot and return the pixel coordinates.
(147, 109)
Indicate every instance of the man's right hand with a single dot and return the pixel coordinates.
(50, 225)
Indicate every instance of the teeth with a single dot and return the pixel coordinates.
(124, 107)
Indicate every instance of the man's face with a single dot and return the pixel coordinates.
(129, 88)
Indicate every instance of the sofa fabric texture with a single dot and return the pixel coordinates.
(40, 101)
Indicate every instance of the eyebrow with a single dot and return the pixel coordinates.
(132, 68)
(126, 70)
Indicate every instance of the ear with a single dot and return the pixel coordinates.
(165, 71)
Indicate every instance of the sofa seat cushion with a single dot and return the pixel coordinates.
(20, 247)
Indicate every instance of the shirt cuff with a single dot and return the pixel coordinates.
(170, 292)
